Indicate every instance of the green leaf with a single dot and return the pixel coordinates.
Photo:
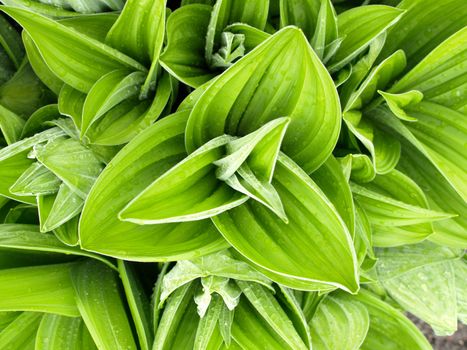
(189, 191)
(67, 204)
(378, 79)
(28, 143)
(39, 66)
(28, 238)
(359, 26)
(68, 53)
(101, 306)
(60, 332)
(36, 122)
(220, 264)
(207, 326)
(107, 92)
(6, 317)
(147, 156)
(11, 169)
(11, 125)
(249, 95)
(270, 310)
(441, 196)
(331, 180)
(24, 92)
(139, 33)
(70, 103)
(184, 55)
(383, 148)
(72, 162)
(388, 327)
(423, 284)
(438, 134)
(439, 76)
(37, 179)
(251, 331)
(138, 302)
(281, 248)
(38, 288)
(21, 333)
(460, 270)
(301, 13)
(62, 8)
(342, 314)
(68, 232)
(423, 27)
(398, 102)
(326, 30)
(226, 318)
(178, 325)
(10, 41)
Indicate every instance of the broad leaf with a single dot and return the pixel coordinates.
(146, 157)
(21, 332)
(305, 248)
(248, 95)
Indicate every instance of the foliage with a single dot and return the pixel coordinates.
(279, 174)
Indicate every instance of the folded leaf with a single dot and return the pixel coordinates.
(301, 13)
(184, 55)
(107, 92)
(37, 179)
(28, 238)
(189, 191)
(139, 33)
(248, 95)
(11, 169)
(37, 121)
(75, 58)
(439, 76)
(10, 125)
(147, 156)
(72, 162)
(67, 7)
(101, 306)
(359, 33)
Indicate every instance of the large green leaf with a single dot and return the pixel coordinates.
(45, 288)
(11, 169)
(60, 332)
(249, 95)
(342, 314)
(300, 13)
(359, 26)
(147, 156)
(74, 57)
(101, 306)
(305, 249)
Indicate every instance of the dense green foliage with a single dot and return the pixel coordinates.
(220, 174)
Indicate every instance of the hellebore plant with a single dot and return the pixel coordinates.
(220, 174)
